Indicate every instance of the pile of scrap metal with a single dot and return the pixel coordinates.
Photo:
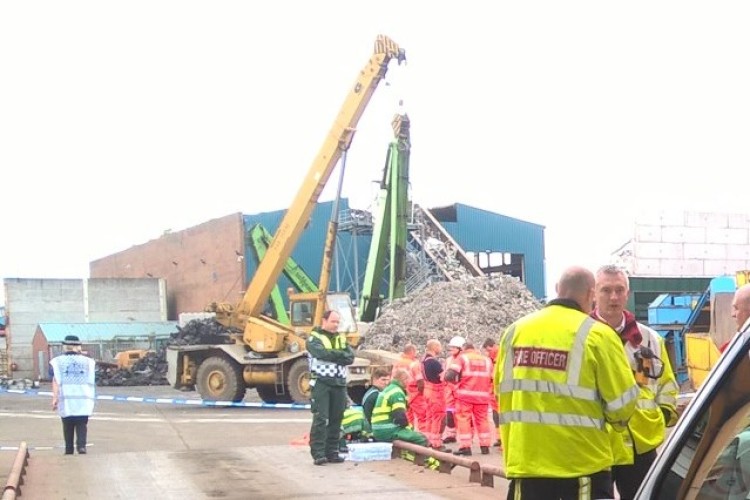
(150, 369)
(141, 367)
(477, 308)
(18, 384)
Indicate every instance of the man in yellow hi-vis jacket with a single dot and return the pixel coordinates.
(561, 376)
(635, 449)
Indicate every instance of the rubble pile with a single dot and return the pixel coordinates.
(200, 331)
(149, 370)
(152, 368)
(18, 384)
(475, 308)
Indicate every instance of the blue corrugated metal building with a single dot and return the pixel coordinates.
(496, 242)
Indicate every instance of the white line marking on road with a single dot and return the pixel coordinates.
(209, 420)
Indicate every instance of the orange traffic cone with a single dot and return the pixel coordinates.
(301, 441)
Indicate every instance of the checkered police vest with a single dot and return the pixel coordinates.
(322, 368)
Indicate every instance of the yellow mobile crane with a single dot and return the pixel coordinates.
(261, 352)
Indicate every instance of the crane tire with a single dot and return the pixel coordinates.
(219, 379)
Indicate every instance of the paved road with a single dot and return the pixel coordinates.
(166, 451)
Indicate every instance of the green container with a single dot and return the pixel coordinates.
(644, 290)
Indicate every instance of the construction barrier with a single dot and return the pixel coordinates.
(447, 460)
(488, 475)
(15, 478)
(478, 473)
(173, 401)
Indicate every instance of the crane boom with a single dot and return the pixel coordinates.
(338, 139)
(270, 355)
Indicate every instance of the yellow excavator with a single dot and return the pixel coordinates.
(261, 352)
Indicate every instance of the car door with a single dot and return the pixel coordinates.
(707, 456)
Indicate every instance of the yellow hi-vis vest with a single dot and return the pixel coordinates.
(560, 376)
(391, 398)
(354, 421)
(320, 368)
(647, 428)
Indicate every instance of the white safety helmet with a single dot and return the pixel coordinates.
(457, 341)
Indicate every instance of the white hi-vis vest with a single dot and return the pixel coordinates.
(561, 376)
(647, 428)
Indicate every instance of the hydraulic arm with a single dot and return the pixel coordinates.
(259, 331)
(389, 233)
(262, 352)
(261, 239)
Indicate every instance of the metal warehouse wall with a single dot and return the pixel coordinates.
(309, 251)
(478, 230)
(33, 301)
(202, 264)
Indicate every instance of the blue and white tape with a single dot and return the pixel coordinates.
(173, 401)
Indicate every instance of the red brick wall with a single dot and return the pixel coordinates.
(39, 344)
(201, 264)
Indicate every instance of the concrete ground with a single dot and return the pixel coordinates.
(163, 450)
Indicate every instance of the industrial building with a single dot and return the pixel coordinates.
(680, 252)
(214, 261)
(31, 302)
(101, 341)
(683, 267)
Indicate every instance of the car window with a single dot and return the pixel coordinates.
(709, 455)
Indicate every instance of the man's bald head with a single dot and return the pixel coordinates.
(433, 346)
(741, 305)
(577, 283)
(401, 375)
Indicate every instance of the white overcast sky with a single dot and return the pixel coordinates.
(120, 120)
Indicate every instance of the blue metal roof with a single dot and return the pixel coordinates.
(95, 332)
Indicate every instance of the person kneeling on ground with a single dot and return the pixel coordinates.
(354, 428)
(389, 420)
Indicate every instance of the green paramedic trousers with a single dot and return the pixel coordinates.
(402, 433)
(328, 405)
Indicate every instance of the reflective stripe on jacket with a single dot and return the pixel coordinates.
(328, 369)
(354, 421)
(647, 427)
(392, 398)
(561, 376)
(475, 382)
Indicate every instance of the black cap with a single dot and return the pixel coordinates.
(71, 340)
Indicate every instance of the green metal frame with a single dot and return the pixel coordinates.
(261, 239)
(390, 229)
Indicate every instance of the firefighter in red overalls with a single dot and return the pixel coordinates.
(434, 394)
(454, 349)
(416, 407)
(472, 374)
(489, 348)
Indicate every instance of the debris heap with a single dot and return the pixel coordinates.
(18, 384)
(152, 369)
(475, 308)
(149, 370)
